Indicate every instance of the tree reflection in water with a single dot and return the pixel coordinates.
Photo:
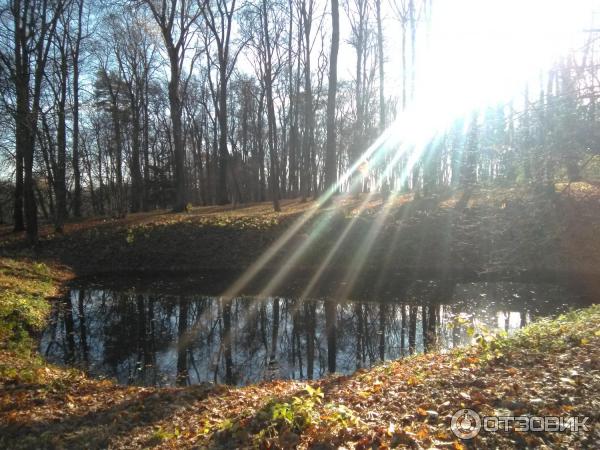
(154, 339)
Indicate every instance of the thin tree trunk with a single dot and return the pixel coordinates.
(330, 145)
(76, 157)
(308, 138)
(382, 118)
(21, 122)
(60, 186)
(179, 150)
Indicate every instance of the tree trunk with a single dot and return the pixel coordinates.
(136, 173)
(307, 141)
(76, 159)
(330, 145)
(222, 197)
(179, 150)
(413, 48)
(60, 187)
(382, 118)
(21, 124)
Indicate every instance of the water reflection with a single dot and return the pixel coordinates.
(153, 339)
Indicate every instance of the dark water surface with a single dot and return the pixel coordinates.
(165, 339)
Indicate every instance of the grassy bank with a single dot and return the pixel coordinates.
(25, 288)
(551, 367)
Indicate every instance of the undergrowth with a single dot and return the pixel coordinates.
(24, 291)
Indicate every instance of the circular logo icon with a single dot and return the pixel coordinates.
(466, 424)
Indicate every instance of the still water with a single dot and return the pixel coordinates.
(164, 339)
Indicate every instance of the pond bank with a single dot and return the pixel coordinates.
(404, 402)
(548, 368)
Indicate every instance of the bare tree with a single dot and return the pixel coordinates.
(34, 25)
(175, 19)
(218, 16)
(134, 51)
(358, 12)
(266, 26)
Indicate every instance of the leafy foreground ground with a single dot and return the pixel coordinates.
(549, 368)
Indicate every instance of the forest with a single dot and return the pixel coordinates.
(309, 224)
(118, 107)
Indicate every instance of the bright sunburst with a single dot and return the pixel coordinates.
(482, 52)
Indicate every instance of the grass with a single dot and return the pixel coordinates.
(574, 328)
(24, 290)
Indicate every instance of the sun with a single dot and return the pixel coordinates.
(485, 51)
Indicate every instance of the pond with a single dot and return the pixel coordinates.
(153, 338)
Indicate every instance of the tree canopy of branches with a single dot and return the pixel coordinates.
(127, 106)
